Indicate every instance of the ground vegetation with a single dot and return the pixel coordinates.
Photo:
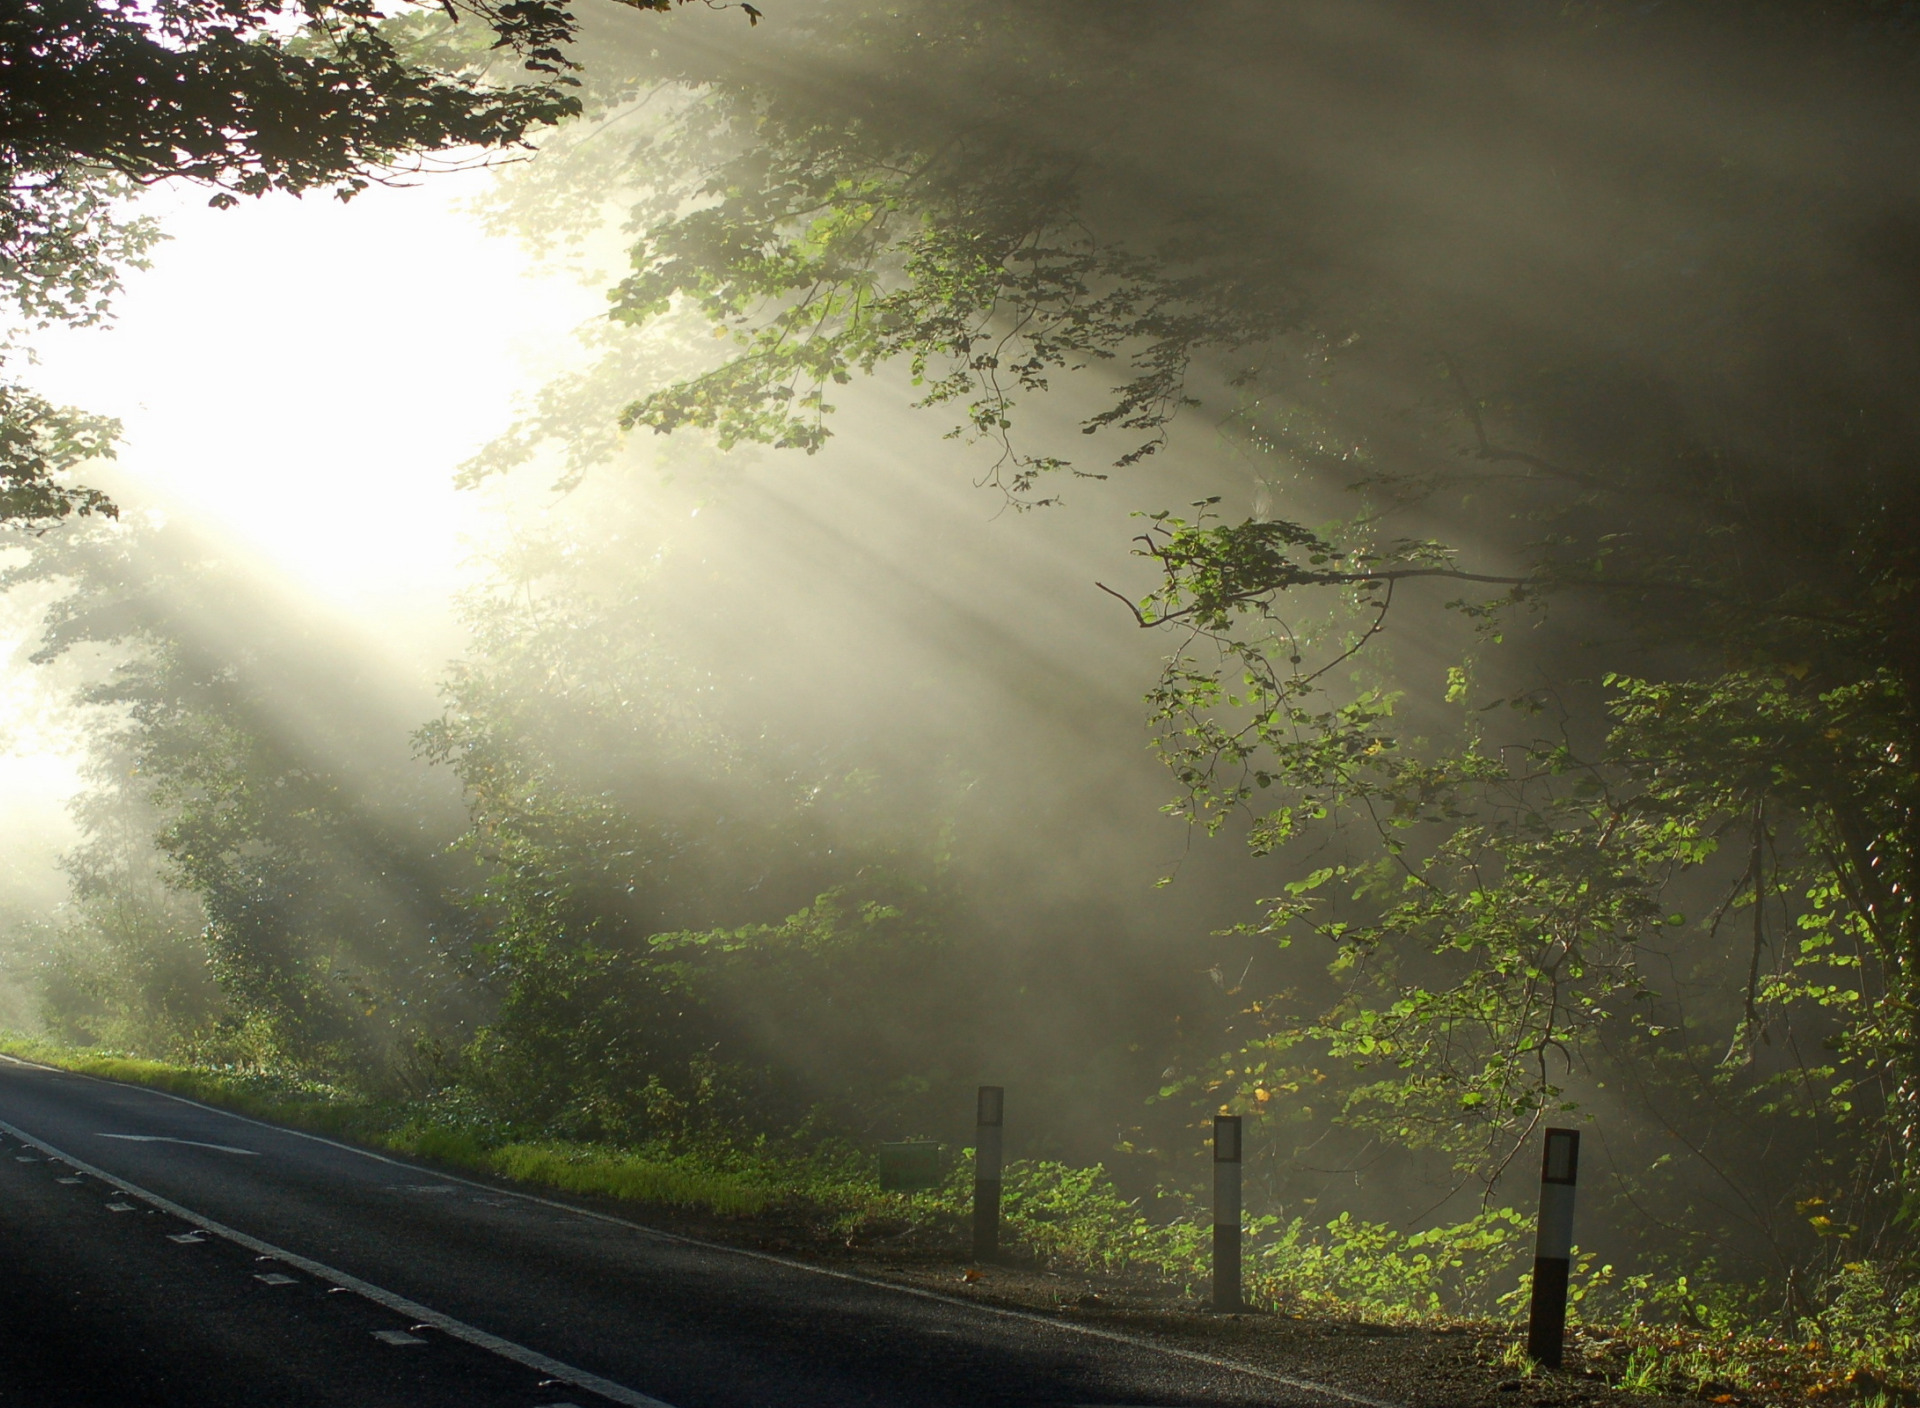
(1523, 447)
(1649, 453)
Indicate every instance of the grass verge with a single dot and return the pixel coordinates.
(1864, 1348)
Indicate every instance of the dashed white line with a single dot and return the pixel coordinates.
(1192, 1356)
(340, 1280)
(169, 1139)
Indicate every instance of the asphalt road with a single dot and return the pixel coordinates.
(158, 1252)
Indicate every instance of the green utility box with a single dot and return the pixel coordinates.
(909, 1167)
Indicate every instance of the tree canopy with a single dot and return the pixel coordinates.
(102, 98)
(1627, 400)
(1517, 400)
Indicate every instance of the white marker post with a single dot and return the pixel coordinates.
(1226, 1213)
(989, 1120)
(1553, 1247)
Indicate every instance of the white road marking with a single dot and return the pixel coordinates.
(169, 1139)
(397, 1337)
(340, 1280)
(187, 1239)
(1192, 1356)
(274, 1278)
(69, 1180)
(121, 1207)
(25, 1159)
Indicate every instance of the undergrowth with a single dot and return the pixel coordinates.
(1639, 1333)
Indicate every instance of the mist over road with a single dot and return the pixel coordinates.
(160, 1252)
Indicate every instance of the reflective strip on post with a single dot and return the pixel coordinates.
(1226, 1212)
(1553, 1247)
(990, 1117)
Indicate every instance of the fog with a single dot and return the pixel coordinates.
(704, 686)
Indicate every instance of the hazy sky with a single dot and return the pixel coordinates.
(302, 376)
(305, 375)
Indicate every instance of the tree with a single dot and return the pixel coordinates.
(691, 912)
(1631, 392)
(125, 966)
(102, 98)
(244, 732)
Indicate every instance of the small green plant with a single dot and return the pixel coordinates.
(1516, 1361)
(1643, 1332)
(1643, 1371)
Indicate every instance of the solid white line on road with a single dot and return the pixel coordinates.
(397, 1337)
(169, 1139)
(446, 1324)
(274, 1278)
(1192, 1356)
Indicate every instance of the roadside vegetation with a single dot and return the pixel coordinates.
(808, 1196)
(1509, 555)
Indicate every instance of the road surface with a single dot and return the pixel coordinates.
(157, 1252)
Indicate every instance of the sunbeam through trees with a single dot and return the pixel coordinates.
(1349, 563)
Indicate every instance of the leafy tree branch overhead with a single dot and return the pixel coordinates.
(103, 97)
(1524, 450)
(1691, 710)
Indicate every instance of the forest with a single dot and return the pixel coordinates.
(1347, 562)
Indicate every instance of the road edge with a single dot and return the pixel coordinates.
(774, 1258)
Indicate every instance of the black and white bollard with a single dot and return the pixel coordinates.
(1553, 1248)
(990, 1118)
(1226, 1212)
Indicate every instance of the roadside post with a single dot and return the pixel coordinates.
(1226, 1213)
(1553, 1247)
(989, 1118)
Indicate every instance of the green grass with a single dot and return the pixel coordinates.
(574, 1169)
(1641, 1335)
(305, 1104)
(683, 1180)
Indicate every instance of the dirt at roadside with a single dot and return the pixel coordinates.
(1452, 1367)
(1407, 1366)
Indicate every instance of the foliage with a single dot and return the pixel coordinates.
(680, 1032)
(824, 235)
(247, 98)
(295, 887)
(687, 914)
(1702, 1337)
(238, 98)
(639, 1179)
(1710, 1341)
(122, 964)
(1666, 853)
(1652, 854)
(1378, 1270)
(41, 444)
